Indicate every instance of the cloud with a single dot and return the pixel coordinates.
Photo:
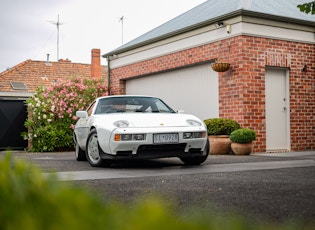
(28, 34)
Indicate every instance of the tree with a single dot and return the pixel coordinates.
(307, 7)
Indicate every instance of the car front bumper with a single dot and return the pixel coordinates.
(147, 149)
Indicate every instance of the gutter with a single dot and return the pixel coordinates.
(15, 95)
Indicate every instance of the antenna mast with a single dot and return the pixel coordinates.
(122, 29)
(57, 23)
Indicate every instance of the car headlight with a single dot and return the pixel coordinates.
(191, 135)
(129, 137)
(194, 123)
(121, 124)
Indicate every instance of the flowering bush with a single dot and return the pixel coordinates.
(52, 112)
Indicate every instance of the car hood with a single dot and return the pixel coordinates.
(150, 119)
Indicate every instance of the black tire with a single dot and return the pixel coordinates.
(93, 150)
(79, 153)
(197, 160)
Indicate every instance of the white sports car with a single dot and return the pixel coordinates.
(138, 127)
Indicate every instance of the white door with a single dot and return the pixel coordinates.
(193, 89)
(277, 110)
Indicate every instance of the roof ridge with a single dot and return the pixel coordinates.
(18, 66)
(15, 67)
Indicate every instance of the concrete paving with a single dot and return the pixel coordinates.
(182, 170)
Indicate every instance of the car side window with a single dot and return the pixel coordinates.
(90, 109)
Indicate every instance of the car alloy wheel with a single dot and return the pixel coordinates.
(93, 150)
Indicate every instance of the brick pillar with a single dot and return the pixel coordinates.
(96, 64)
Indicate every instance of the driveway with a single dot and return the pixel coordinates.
(277, 186)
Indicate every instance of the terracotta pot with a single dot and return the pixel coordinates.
(219, 144)
(242, 149)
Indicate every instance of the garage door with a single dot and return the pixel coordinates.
(193, 89)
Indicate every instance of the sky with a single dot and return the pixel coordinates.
(28, 30)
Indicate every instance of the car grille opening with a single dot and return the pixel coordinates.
(165, 149)
(194, 150)
(159, 151)
(124, 153)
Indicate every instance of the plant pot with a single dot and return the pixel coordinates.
(219, 144)
(220, 66)
(242, 148)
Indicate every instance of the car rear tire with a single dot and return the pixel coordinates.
(197, 160)
(93, 150)
(79, 153)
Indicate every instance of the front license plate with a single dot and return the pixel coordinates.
(165, 138)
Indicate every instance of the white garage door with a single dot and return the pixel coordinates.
(194, 90)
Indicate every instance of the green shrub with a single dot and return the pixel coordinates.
(52, 112)
(221, 126)
(30, 201)
(243, 136)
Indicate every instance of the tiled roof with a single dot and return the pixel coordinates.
(36, 73)
(212, 10)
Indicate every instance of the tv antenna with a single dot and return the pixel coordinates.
(57, 24)
(121, 19)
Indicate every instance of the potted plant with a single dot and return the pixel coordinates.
(242, 141)
(219, 130)
(220, 66)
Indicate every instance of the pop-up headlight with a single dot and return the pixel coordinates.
(121, 124)
(194, 123)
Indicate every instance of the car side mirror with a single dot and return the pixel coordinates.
(180, 111)
(81, 114)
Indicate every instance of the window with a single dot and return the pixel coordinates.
(18, 85)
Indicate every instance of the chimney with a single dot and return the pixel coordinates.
(96, 64)
(47, 62)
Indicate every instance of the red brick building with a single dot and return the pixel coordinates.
(269, 87)
(21, 82)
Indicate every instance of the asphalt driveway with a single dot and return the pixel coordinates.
(278, 186)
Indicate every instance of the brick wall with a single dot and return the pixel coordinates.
(242, 87)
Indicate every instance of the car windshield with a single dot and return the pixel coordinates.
(132, 105)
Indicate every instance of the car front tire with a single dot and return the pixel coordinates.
(93, 150)
(197, 160)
